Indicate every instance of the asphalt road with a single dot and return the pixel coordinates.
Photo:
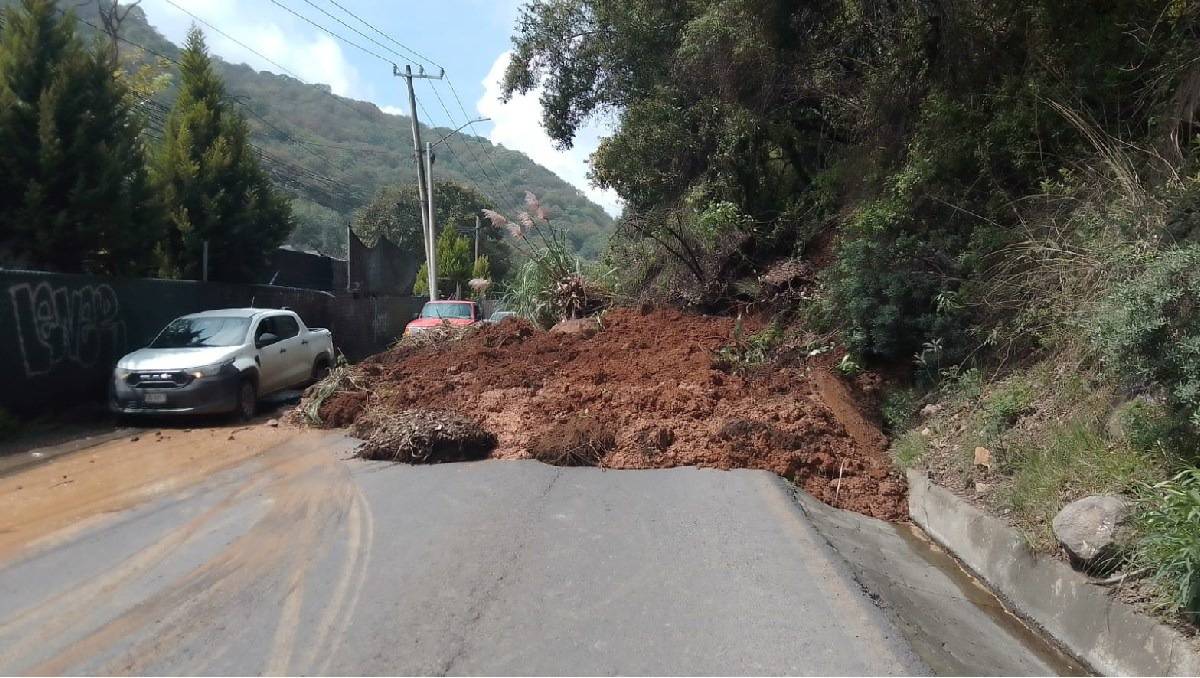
(299, 560)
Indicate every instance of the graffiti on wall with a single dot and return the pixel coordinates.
(57, 325)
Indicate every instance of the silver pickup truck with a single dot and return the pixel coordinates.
(220, 361)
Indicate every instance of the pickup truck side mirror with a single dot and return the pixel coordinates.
(265, 339)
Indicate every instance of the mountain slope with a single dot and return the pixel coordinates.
(332, 153)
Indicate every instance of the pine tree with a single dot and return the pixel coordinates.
(454, 264)
(212, 183)
(74, 190)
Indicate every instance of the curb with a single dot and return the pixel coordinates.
(1107, 634)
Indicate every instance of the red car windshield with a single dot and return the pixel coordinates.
(446, 311)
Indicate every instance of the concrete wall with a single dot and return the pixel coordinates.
(383, 269)
(60, 335)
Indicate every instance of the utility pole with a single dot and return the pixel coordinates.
(430, 249)
(476, 237)
(432, 222)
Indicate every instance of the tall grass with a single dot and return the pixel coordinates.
(1168, 524)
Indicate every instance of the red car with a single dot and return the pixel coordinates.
(435, 313)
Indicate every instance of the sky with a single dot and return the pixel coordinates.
(469, 38)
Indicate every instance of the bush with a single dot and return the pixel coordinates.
(909, 448)
(899, 409)
(1169, 540)
(1148, 328)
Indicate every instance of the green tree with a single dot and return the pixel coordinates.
(454, 265)
(74, 190)
(395, 213)
(214, 188)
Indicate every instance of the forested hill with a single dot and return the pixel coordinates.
(332, 153)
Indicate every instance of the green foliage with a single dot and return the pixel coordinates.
(909, 449)
(1148, 328)
(1168, 523)
(454, 266)
(395, 213)
(747, 352)
(899, 409)
(482, 268)
(74, 191)
(1072, 460)
(1005, 404)
(212, 183)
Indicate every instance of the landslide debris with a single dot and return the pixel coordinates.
(421, 437)
(642, 392)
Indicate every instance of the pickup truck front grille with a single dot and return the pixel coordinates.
(174, 379)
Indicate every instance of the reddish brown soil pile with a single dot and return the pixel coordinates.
(649, 377)
(422, 437)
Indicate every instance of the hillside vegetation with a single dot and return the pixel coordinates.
(996, 200)
(348, 150)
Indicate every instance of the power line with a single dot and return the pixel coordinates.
(449, 117)
(318, 26)
(389, 38)
(235, 100)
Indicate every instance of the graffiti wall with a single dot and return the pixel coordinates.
(61, 335)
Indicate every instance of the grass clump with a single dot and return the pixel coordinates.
(899, 409)
(1168, 523)
(909, 448)
(1070, 460)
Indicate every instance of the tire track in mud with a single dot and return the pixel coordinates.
(311, 501)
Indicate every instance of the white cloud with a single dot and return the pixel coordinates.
(315, 58)
(393, 110)
(517, 125)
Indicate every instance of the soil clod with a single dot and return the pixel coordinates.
(422, 437)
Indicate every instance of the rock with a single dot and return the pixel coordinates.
(930, 410)
(1090, 528)
(272, 422)
(584, 327)
(983, 457)
(982, 489)
(926, 432)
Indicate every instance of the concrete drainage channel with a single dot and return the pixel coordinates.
(1111, 636)
(956, 625)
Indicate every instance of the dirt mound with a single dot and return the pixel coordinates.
(583, 441)
(422, 437)
(649, 375)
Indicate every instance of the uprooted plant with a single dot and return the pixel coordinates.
(552, 284)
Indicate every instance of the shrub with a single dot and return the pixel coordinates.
(909, 448)
(899, 409)
(1148, 328)
(1168, 523)
(746, 352)
(1005, 405)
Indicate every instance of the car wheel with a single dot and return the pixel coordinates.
(320, 370)
(247, 402)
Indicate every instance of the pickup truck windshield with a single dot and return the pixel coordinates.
(446, 311)
(202, 333)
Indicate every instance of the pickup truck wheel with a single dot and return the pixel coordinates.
(320, 370)
(247, 402)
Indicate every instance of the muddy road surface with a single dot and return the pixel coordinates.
(276, 553)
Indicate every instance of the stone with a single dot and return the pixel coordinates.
(930, 410)
(983, 457)
(1091, 528)
(273, 422)
(584, 327)
(982, 489)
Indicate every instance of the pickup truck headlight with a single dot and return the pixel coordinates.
(209, 370)
(121, 373)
